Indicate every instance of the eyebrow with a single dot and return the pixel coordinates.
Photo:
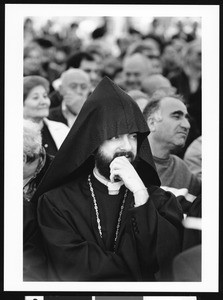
(36, 93)
(181, 113)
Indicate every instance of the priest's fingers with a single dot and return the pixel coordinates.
(124, 169)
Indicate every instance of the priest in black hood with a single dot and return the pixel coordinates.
(101, 212)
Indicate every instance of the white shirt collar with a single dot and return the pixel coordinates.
(113, 187)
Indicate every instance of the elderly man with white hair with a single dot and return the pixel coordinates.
(75, 88)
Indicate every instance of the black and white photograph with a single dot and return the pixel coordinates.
(118, 189)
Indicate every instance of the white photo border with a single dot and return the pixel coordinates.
(14, 18)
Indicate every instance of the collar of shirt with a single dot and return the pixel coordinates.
(68, 115)
(113, 187)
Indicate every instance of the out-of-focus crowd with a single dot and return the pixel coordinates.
(159, 68)
(167, 58)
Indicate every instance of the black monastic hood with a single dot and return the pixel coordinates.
(107, 112)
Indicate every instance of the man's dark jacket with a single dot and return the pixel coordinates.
(56, 114)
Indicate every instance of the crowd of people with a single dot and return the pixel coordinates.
(112, 154)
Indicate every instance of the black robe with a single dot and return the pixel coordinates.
(150, 235)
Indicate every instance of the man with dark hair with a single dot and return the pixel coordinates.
(101, 212)
(86, 62)
(74, 61)
(167, 118)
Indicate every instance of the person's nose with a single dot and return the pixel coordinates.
(126, 145)
(45, 101)
(93, 75)
(185, 123)
(131, 78)
(79, 89)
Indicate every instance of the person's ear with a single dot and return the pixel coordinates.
(60, 89)
(151, 122)
(24, 158)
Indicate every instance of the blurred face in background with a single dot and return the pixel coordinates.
(135, 68)
(194, 56)
(75, 88)
(48, 54)
(157, 82)
(36, 105)
(179, 44)
(32, 62)
(171, 58)
(153, 54)
(92, 68)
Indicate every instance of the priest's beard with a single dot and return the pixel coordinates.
(102, 162)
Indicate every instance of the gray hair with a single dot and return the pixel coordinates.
(74, 72)
(153, 107)
(32, 140)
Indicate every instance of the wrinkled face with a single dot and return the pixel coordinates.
(135, 70)
(122, 145)
(94, 71)
(36, 105)
(173, 129)
(75, 89)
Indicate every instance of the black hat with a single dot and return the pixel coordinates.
(108, 112)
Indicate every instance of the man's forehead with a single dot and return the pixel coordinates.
(76, 78)
(169, 105)
(88, 64)
(134, 67)
(122, 135)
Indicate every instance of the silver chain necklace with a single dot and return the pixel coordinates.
(97, 212)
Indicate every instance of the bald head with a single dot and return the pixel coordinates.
(74, 74)
(75, 88)
(156, 82)
(135, 68)
(167, 118)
